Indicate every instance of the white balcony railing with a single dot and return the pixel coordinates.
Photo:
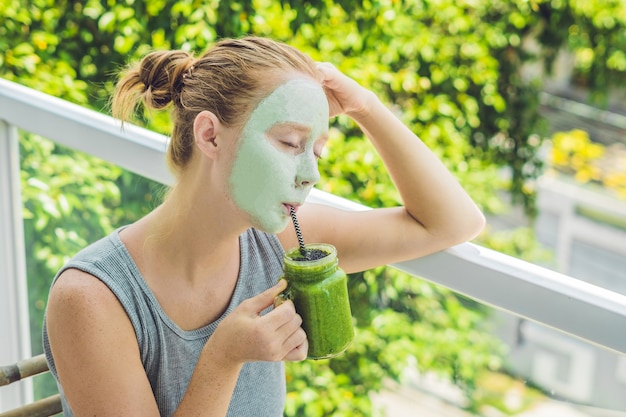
(574, 307)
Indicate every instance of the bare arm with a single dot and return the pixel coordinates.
(95, 350)
(97, 357)
(437, 212)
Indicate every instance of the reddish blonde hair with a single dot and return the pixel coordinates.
(227, 80)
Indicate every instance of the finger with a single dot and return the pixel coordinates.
(323, 67)
(328, 73)
(296, 339)
(264, 300)
(298, 353)
(280, 316)
(292, 324)
(292, 333)
(279, 299)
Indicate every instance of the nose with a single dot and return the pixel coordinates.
(307, 174)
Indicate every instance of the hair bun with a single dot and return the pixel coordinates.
(163, 74)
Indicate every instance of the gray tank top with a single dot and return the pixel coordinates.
(169, 354)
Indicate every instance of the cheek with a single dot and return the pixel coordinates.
(263, 160)
(275, 172)
(260, 169)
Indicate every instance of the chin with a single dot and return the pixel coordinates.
(272, 226)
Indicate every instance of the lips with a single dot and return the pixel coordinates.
(288, 207)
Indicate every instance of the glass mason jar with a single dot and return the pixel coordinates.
(319, 291)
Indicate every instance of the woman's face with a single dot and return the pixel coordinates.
(276, 162)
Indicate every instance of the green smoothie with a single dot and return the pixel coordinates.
(319, 292)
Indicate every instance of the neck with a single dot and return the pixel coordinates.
(195, 232)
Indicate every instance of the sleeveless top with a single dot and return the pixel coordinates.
(169, 354)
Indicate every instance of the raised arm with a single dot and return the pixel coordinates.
(437, 212)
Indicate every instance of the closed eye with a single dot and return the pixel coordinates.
(293, 138)
(288, 137)
(289, 144)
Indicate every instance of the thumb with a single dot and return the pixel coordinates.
(260, 302)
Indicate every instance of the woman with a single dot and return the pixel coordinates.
(172, 315)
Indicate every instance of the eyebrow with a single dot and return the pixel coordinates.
(299, 128)
(291, 125)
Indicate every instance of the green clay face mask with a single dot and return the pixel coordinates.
(276, 162)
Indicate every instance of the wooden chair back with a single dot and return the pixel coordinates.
(23, 369)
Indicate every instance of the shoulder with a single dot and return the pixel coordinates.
(103, 270)
(103, 254)
(78, 296)
(92, 343)
(82, 308)
(83, 316)
(79, 285)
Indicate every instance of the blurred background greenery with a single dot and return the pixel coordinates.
(452, 70)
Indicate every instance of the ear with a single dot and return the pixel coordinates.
(206, 126)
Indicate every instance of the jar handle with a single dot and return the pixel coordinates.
(283, 296)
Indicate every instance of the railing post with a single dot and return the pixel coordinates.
(14, 325)
(564, 238)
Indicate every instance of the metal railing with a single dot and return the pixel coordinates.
(529, 291)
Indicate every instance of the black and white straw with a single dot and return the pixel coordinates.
(292, 212)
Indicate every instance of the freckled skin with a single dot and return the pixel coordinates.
(264, 176)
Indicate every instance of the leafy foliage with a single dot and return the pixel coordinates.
(453, 70)
(595, 33)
